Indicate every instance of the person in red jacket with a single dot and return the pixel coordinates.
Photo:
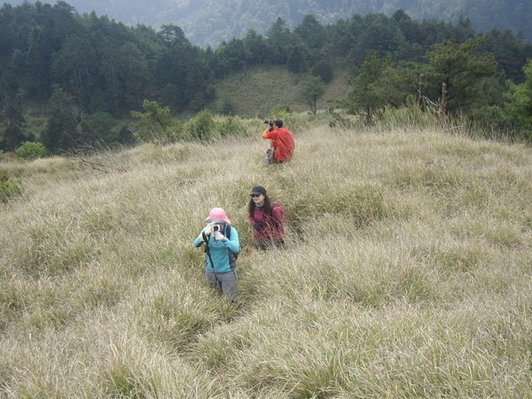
(266, 219)
(282, 142)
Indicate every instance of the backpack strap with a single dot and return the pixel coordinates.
(228, 231)
(207, 249)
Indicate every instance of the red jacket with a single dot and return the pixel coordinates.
(268, 227)
(282, 142)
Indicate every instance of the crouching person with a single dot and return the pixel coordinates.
(221, 246)
(266, 219)
(282, 142)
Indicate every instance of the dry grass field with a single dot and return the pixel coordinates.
(407, 272)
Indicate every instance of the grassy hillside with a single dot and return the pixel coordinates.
(406, 274)
(259, 90)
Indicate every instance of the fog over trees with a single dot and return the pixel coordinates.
(208, 22)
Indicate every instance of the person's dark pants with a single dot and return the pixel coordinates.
(269, 156)
(268, 244)
(224, 282)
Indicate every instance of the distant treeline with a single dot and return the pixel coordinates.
(227, 19)
(81, 74)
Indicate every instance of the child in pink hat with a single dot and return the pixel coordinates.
(217, 215)
(221, 247)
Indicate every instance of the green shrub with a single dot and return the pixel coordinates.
(31, 150)
(407, 116)
(340, 120)
(230, 126)
(202, 127)
(156, 124)
(2, 155)
(8, 187)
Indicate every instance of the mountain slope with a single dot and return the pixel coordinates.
(208, 22)
(258, 91)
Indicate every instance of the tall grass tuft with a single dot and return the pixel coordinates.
(9, 187)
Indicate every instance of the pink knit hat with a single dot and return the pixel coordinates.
(217, 215)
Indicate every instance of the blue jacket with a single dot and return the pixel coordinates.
(220, 250)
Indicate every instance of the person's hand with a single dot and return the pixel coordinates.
(208, 230)
(219, 236)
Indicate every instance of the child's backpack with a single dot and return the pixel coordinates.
(233, 256)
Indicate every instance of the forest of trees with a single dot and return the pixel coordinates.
(82, 74)
(227, 19)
